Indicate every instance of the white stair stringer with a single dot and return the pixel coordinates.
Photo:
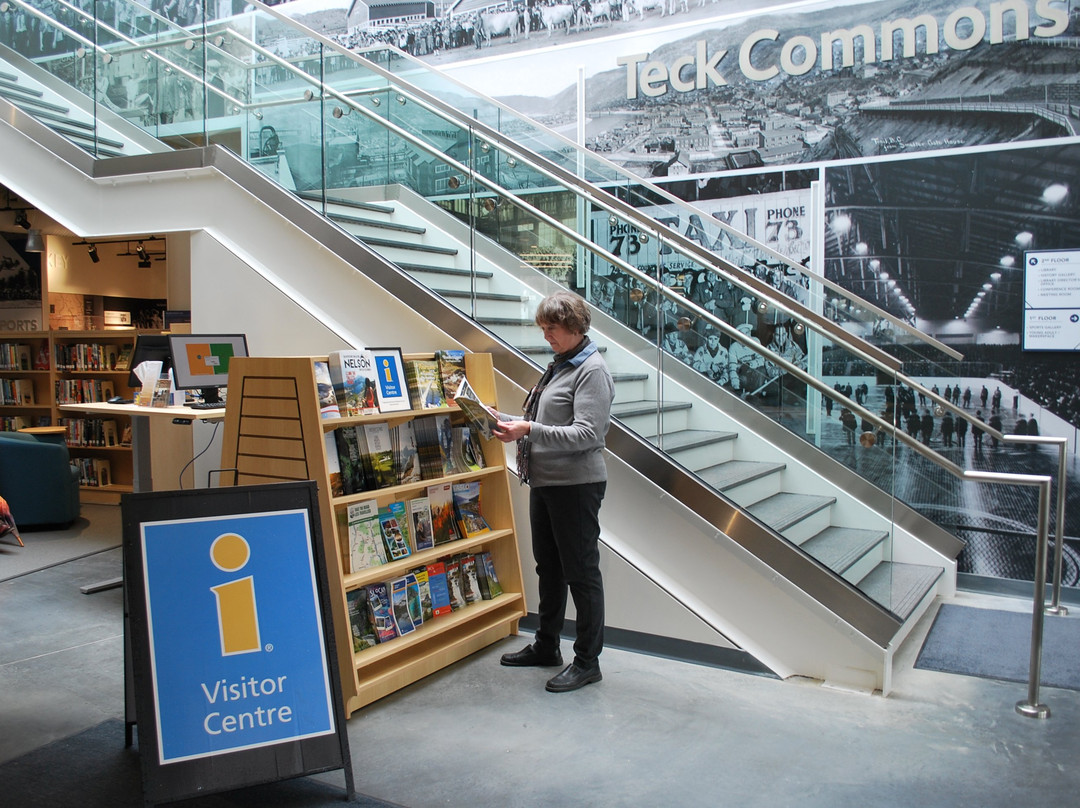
(257, 270)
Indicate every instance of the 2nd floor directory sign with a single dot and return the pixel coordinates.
(233, 650)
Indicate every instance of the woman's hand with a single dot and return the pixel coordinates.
(510, 431)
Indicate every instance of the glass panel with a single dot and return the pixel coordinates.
(705, 319)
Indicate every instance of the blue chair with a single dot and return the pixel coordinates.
(38, 481)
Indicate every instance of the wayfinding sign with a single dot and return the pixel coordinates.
(231, 638)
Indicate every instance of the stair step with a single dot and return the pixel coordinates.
(384, 225)
(448, 293)
(86, 139)
(66, 121)
(629, 409)
(444, 271)
(899, 587)
(372, 207)
(839, 548)
(31, 104)
(691, 439)
(374, 241)
(733, 473)
(781, 511)
(12, 85)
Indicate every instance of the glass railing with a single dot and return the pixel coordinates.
(327, 126)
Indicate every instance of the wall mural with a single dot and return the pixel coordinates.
(946, 137)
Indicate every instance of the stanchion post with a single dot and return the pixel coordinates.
(1031, 707)
(1055, 606)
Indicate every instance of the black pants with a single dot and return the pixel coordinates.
(565, 537)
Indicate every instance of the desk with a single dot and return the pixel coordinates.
(159, 450)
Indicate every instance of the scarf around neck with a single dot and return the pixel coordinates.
(532, 400)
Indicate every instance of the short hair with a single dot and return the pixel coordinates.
(565, 309)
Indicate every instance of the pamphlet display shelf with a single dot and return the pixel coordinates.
(52, 388)
(274, 432)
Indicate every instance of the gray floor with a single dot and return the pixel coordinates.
(653, 732)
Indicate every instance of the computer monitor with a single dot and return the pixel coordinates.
(149, 348)
(201, 362)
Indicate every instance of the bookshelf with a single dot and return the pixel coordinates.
(73, 367)
(274, 433)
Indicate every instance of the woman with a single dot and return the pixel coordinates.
(560, 442)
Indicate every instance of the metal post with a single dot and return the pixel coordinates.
(1031, 708)
(1055, 606)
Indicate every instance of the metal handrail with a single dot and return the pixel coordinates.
(1031, 707)
(497, 137)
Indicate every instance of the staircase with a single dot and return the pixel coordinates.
(70, 122)
(423, 240)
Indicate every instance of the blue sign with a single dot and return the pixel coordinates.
(237, 654)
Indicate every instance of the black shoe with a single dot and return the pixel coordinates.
(573, 677)
(529, 657)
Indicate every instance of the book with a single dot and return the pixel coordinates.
(379, 603)
(470, 519)
(392, 388)
(366, 547)
(489, 580)
(406, 457)
(399, 606)
(425, 383)
(328, 406)
(426, 610)
(361, 624)
(470, 580)
(464, 390)
(423, 534)
(472, 450)
(440, 592)
(380, 454)
(350, 460)
(333, 466)
(445, 429)
(414, 599)
(454, 583)
(462, 448)
(479, 417)
(426, 437)
(451, 370)
(394, 525)
(441, 504)
(352, 374)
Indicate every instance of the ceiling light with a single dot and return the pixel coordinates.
(1024, 238)
(1007, 261)
(995, 276)
(21, 220)
(34, 242)
(140, 251)
(862, 248)
(1056, 193)
(92, 250)
(841, 223)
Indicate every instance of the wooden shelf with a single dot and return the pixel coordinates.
(276, 434)
(45, 343)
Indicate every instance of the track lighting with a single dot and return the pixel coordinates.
(21, 220)
(92, 250)
(34, 242)
(140, 251)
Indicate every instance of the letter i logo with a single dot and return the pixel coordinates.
(238, 623)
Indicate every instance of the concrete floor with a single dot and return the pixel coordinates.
(654, 732)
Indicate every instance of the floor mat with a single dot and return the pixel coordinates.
(994, 644)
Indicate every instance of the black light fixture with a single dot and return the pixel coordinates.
(92, 249)
(34, 242)
(144, 257)
(21, 220)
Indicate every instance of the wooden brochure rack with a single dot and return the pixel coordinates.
(274, 432)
